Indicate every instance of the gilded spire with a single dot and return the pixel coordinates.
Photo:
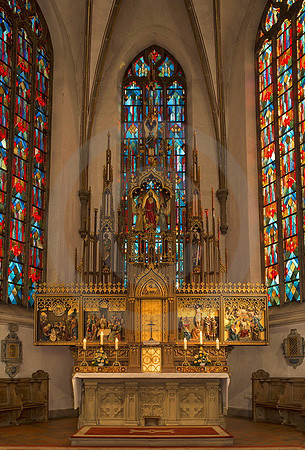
(108, 167)
(196, 175)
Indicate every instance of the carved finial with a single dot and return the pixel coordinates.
(89, 211)
(212, 195)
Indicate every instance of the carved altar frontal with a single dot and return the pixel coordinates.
(163, 399)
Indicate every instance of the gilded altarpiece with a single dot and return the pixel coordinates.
(232, 314)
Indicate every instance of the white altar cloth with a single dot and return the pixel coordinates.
(78, 377)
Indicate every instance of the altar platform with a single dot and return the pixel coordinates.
(152, 436)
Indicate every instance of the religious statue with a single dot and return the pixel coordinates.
(138, 210)
(163, 214)
(106, 249)
(151, 211)
(197, 246)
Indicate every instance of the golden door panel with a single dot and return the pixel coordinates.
(151, 359)
(151, 312)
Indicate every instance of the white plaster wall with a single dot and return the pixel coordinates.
(245, 360)
(243, 235)
(57, 361)
(66, 26)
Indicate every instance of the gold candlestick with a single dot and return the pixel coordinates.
(116, 362)
(217, 363)
(84, 362)
(185, 362)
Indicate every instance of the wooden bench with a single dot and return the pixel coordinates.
(24, 400)
(278, 400)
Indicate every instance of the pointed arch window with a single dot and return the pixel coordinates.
(154, 82)
(280, 74)
(25, 103)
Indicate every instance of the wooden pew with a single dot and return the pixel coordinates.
(278, 400)
(24, 400)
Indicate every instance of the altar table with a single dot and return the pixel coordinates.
(136, 399)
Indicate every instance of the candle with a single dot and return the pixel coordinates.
(102, 337)
(201, 341)
(217, 344)
(116, 344)
(185, 344)
(84, 344)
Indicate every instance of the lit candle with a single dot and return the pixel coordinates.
(102, 337)
(185, 344)
(217, 344)
(84, 344)
(116, 344)
(201, 341)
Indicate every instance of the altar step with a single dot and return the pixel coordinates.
(182, 436)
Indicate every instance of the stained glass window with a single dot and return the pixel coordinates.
(25, 78)
(166, 100)
(280, 100)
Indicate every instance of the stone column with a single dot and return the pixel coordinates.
(168, 358)
(131, 403)
(131, 319)
(171, 404)
(88, 413)
(213, 402)
(134, 358)
(171, 316)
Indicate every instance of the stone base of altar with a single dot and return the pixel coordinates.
(151, 399)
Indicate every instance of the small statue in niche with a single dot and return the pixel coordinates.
(197, 247)
(106, 249)
(151, 211)
(164, 211)
(138, 211)
(163, 219)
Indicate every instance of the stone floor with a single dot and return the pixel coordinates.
(246, 433)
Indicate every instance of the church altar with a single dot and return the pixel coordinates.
(162, 399)
(152, 317)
